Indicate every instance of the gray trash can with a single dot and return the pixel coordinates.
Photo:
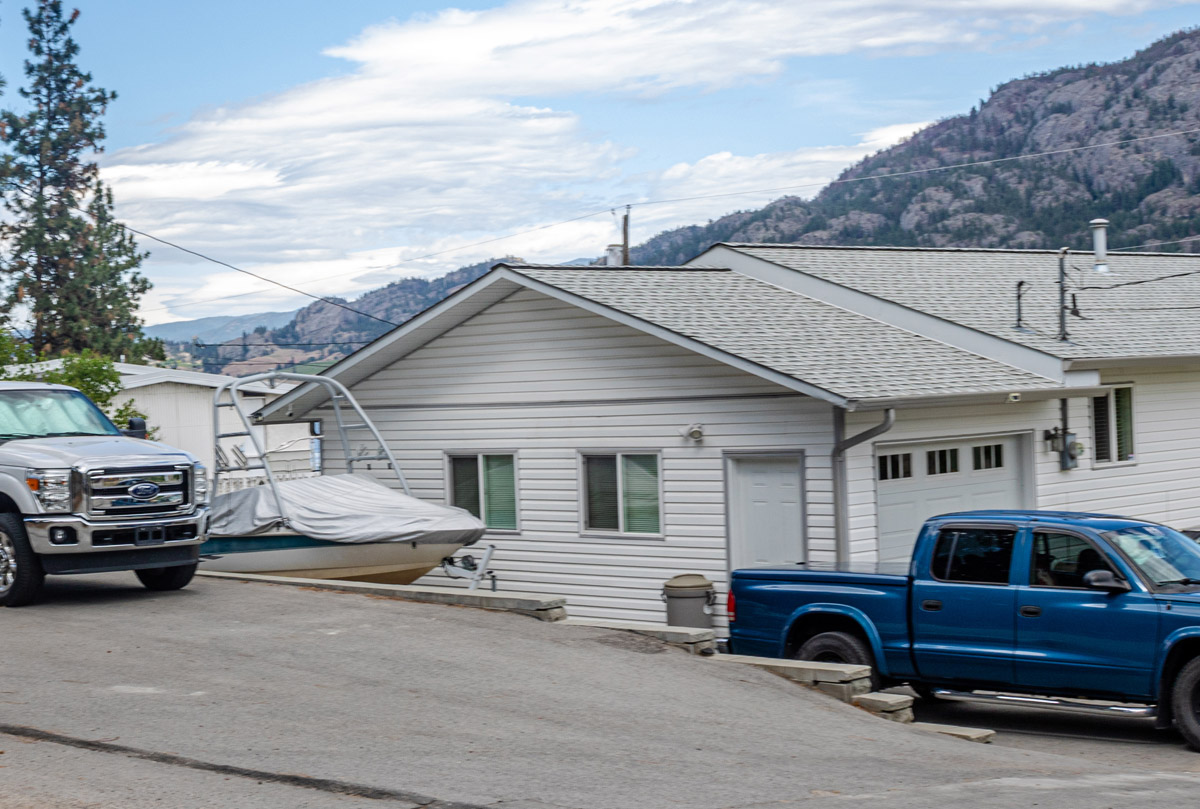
(689, 598)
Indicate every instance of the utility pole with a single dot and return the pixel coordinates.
(625, 237)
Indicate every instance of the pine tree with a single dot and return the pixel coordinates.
(71, 270)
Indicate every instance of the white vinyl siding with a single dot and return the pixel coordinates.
(555, 382)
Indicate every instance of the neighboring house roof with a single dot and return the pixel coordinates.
(140, 376)
(1137, 317)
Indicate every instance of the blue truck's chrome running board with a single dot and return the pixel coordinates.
(1048, 703)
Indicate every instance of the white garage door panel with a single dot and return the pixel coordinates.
(906, 502)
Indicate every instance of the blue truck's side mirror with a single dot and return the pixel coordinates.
(1105, 580)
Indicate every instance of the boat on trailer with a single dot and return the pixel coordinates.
(349, 525)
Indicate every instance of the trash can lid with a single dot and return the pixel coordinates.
(688, 581)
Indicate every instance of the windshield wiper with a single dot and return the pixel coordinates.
(1185, 580)
(7, 436)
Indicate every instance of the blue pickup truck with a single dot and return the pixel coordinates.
(1087, 612)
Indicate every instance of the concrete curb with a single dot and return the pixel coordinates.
(690, 639)
(544, 608)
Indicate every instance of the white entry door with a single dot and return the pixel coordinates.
(766, 513)
(918, 481)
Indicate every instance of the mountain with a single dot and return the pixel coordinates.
(1148, 186)
(217, 329)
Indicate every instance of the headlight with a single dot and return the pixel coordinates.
(52, 487)
(199, 484)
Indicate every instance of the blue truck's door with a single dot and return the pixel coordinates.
(964, 607)
(1071, 637)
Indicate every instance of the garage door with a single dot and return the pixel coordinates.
(917, 481)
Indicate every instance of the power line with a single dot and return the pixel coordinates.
(198, 254)
(1155, 244)
(233, 344)
(909, 173)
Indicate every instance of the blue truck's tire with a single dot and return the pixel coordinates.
(1185, 698)
(839, 647)
(166, 578)
(21, 573)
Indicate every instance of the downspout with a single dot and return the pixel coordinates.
(837, 458)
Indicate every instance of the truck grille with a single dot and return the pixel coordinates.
(109, 494)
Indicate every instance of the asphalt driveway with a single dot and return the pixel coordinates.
(260, 695)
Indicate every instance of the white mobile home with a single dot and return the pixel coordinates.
(615, 426)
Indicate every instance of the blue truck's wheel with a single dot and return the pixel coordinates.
(1185, 696)
(839, 647)
(21, 573)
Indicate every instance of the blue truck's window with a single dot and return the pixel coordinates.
(979, 555)
(1061, 560)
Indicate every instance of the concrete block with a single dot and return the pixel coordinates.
(846, 692)
(804, 671)
(970, 734)
(876, 702)
(545, 608)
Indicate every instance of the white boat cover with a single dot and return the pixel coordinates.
(353, 509)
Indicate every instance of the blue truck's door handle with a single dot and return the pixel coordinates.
(931, 605)
(1031, 612)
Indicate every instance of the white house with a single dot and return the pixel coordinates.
(615, 426)
(179, 406)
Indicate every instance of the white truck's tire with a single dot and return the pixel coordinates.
(21, 573)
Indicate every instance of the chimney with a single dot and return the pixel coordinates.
(612, 255)
(1099, 244)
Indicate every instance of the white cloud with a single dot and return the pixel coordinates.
(431, 142)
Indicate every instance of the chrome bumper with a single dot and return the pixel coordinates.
(91, 537)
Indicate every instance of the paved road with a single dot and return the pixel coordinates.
(255, 695)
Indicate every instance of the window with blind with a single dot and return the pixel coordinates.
(621, 493)
(1112, 425)
(486, 486)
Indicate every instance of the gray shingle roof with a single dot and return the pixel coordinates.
(834, 349)
(978, 288)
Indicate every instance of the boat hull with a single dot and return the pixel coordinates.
(302, 557)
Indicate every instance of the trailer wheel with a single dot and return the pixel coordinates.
(166, 578)
(839, 647)
(1185, 696)
(21, 573)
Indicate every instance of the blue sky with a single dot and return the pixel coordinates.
(332, 145)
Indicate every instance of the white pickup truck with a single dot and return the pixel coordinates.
(79, 495)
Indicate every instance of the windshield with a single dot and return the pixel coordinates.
(1162, 555)
(45, 413)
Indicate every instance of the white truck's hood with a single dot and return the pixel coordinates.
(88, 451)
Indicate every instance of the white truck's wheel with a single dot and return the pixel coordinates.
(21, 573)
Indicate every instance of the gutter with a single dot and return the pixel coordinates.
(837, 460)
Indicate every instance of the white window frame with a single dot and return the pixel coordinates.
(584, 530)
(1112, 427)
(478, 456)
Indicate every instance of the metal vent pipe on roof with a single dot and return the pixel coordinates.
(612, 255)
(1099, 244)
